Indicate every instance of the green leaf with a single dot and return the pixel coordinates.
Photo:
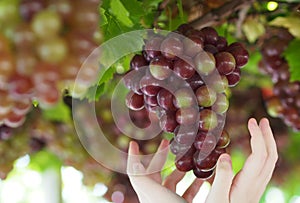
(291, 54)
(120, 12)
(44, 160)
(60, 112)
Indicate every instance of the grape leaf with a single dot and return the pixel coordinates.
(291, 22)
(120, 12)
(291, 54)
(60, 112)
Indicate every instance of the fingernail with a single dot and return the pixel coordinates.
(225, 160)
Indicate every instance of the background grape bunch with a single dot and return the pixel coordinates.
(284, 101)
(42, 47)
(175, 78)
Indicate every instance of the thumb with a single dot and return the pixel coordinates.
(221, 186)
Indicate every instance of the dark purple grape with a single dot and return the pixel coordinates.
(134, 101)
(168, 122)
(138, 61)
(192, 45)
(160, 68)
(224, 140)
(195, 81)
(132, 80)
(184, 97)
(211, 49)
(206, 96)
(274, 46)
(185, 163)
(204, 162)
(172, 47)
(211, 35)
(221, 43)
(152, 48)
(36, 144)
(234, 77)
(208, 120)
(218, 83)
(203, 174)
(225, 63)
(222, 104)
(183, 28)
(185, 134)
(151, 90)
(205, 63)
(165, 99)
(150, 100)
(184, 67)
(240, 54)
(187, 116)
(205, 142)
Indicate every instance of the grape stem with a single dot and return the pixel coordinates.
(220, 13)
(242, 16)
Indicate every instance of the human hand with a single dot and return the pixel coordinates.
(252, 179)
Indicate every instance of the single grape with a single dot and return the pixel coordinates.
(185, 134)
(168, 121)
(240, 54)
(192, 45)
(165, 99)
(224, 140)
(211, 35)
(152, 48)
(225, 63)
(184, 67)
(177, 148)
(134, 101)
(195, 81)
(221, 43)
(184, 97)
(234, 77)
(52, 50)
(204, 162)
(187, 116)
(206, 96)
(171, 47)
(150, 100)
(208, 120)
(185, 162)
(160, 68)
(205, 142)
(205, 63)
(46, 24)
(222, 104)
(211, 49)
(138, 61)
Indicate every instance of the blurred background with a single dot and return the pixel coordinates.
(43, 44)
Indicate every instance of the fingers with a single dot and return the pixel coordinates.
(272, 156)
(223, 180)
(259, 151)
(134, 164)
(158, 161)
(192, 191)
(172, 180)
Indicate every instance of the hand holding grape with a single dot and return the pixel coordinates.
(226, 187)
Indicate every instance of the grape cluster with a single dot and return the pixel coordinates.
(182, 77)
(285, 101)
(43, 53)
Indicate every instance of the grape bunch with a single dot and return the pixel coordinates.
(284, 101)
(42, 48)
(182, 78)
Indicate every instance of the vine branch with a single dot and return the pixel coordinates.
(216, 15)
